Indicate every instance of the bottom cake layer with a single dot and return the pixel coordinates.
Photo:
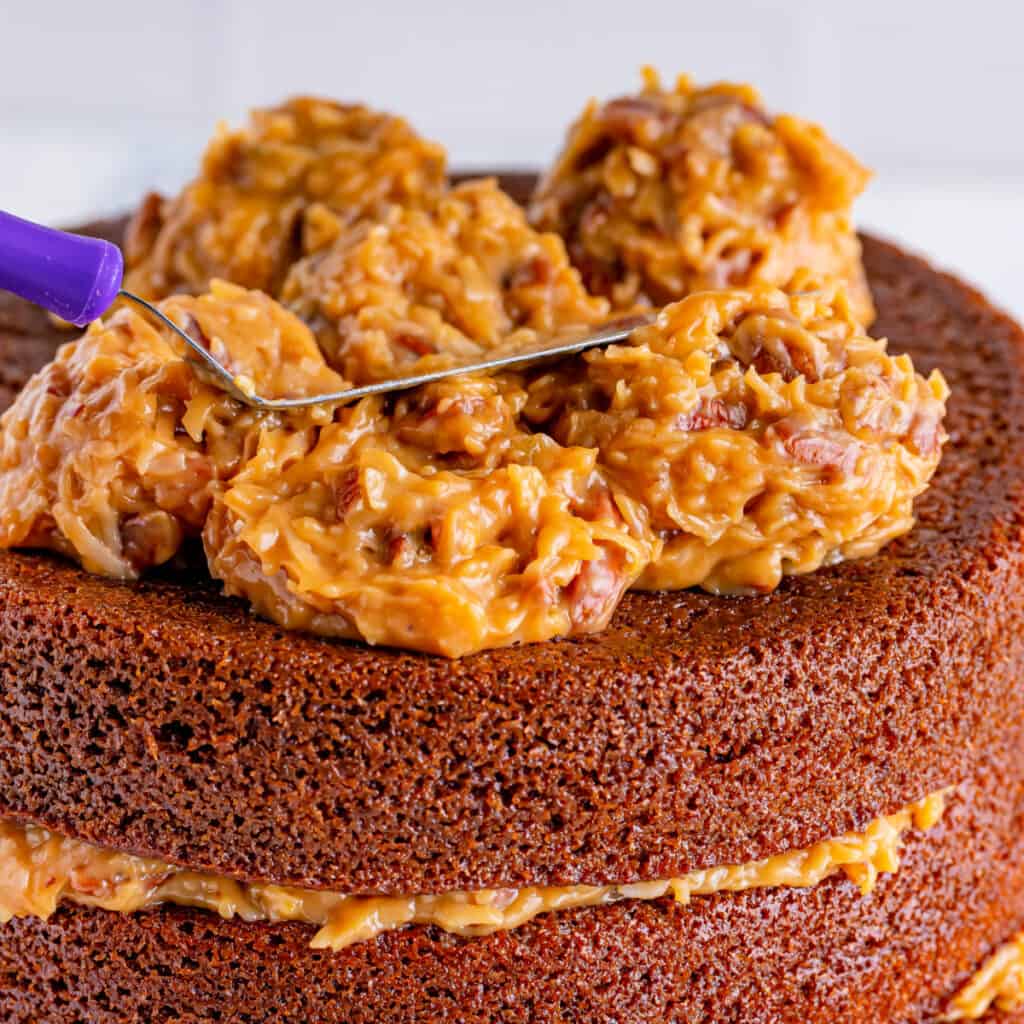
(771, 956)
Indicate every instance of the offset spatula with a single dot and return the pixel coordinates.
(78, 278)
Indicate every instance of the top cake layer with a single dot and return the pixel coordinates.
(696, 730)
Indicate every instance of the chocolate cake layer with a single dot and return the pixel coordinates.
(769, 956)
(164, 719)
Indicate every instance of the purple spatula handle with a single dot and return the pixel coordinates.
(71, 275)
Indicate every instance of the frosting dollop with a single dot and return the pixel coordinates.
(676, 190)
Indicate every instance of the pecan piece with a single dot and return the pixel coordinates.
(630, 115)
(595, 590)
(714, 412)
(812, 446)
(536, 270)
(150, 538)
(926, 432)
(346, 493)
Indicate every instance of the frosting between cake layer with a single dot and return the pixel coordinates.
(998, 982)
(39, 869)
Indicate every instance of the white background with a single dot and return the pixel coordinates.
(103, 99)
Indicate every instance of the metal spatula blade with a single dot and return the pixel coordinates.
(570, 342)
(78, 279)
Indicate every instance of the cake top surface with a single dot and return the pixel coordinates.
(755, 429)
